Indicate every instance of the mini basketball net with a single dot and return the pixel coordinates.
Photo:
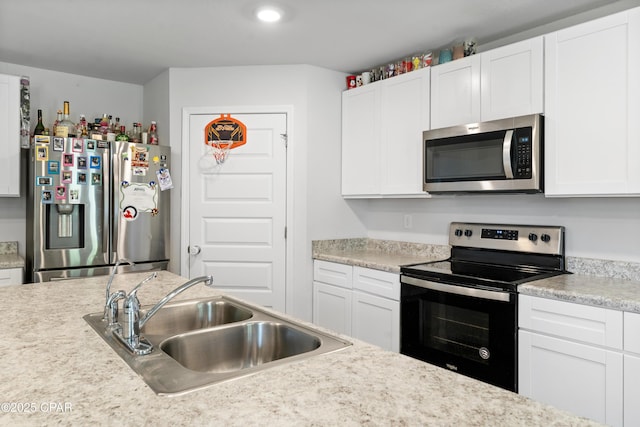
(223, 135)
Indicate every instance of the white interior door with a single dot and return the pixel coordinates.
(237, 211)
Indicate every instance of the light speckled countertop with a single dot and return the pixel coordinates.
(51, 356)
(386, 255)
(586, 286)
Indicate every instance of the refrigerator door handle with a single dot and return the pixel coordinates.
(107, 222)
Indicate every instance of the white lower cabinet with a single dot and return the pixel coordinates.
(571, 356)
(631, 390)
(360, 302)
(376, 320)
(10, 276)
(332, 307)
(632, 369)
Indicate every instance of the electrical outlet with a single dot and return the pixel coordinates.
(408, 221)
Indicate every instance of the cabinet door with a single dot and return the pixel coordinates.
(376, 320)
(405, 115)
(455, 92)
(631, 390)
(592, 105)
(9, 135)
(632, 333)
(581, 379)
(332, 307)
(512, 80)
(361, 141)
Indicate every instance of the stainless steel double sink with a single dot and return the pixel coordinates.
(202, 342)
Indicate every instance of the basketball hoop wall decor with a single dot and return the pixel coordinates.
(224, 134)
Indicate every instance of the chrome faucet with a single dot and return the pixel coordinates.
(111, 304)
(132, 322)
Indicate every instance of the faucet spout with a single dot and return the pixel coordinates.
(107, 293)
(206, 280)
(129, 333)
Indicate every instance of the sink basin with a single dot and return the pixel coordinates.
(239, 347)
(199, 343)
(188, 316)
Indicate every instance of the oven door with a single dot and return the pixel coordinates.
(468, 330)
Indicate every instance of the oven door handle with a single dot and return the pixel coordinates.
(506, 154)
(458, 290)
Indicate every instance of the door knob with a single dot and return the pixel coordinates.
(193, 250)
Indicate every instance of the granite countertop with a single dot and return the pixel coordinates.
(616, 292)
(55, 361)
(383, 255)
(9, 257)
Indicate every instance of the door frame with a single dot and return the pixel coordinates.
(289, 213)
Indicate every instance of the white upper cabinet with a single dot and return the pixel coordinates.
(405, 115)
(496, 84)
(9, 136)
(592, 106)
(382, 125)
(361, 140)
(512, 80)
(455, 92)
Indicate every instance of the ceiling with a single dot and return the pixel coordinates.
(134, 41)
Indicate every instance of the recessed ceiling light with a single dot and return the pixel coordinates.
(269, 14)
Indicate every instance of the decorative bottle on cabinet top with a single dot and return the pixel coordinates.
(66, 128)
(153, 134)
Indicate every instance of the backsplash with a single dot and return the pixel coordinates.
(604, 268)
(383, 246)
(8, 248)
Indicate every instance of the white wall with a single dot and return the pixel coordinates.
(315, 96)
(604, 228)
(86, 95)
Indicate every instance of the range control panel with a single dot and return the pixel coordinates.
(508, 237)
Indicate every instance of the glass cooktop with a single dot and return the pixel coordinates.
(476, 274)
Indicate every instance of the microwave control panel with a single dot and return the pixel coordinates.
(523, 156)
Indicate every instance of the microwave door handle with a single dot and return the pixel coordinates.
(506, 154)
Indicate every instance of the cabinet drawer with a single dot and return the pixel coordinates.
(592, 325)
(333, 273)
(632, 332)
(376, 282)
(10, 276)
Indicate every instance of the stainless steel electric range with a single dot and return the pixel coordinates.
(461, 313)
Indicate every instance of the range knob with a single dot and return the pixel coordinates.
(468, 233)
(458, 232)
(533, 237)
(545, 238)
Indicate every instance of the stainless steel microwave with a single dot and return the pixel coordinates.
(497, 156)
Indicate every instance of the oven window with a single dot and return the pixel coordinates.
(455, 330)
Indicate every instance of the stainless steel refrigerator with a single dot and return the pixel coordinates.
(91, 203)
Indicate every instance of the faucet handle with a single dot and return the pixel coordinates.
(111, 308)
